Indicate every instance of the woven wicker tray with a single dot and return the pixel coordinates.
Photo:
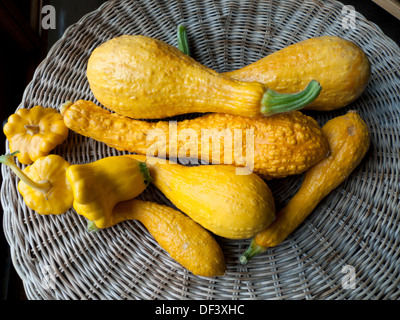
(356, 227)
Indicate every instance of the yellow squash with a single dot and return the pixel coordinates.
(340, 66)
(34, 132)
(145, 78)
(274, 147)
(43, 185)
(98, 186)
(349, 140)
(185, 240)
(229, 205)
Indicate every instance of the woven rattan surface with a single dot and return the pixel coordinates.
(356, 227)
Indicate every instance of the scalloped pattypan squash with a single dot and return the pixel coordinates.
(34, 132)
(43, 185)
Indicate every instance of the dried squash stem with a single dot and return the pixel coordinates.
(42, 186)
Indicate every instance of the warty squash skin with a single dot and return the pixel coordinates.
(284, 144)
(145, 78)
(340, 66)
(229, 205)
(185, 240)
(349, 140)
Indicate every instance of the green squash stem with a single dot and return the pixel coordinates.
(91, 226)
(183, 43)
(253, 250)
(274, 102)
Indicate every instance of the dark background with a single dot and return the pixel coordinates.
(25, 44)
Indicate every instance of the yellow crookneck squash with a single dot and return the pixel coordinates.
(229, 205)
(340, 66)
(273, 147)
(34, 132)
(145, 78)
(349, 140)
(185, 240)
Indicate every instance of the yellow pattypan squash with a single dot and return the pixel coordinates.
(43, 185)
(34, 132)
(98, 186)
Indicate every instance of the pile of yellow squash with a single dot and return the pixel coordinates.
(136, 77)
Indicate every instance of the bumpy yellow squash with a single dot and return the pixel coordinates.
(349, 140)
(273, 147)
(142, 78)
(185, 240)
(339, 65)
